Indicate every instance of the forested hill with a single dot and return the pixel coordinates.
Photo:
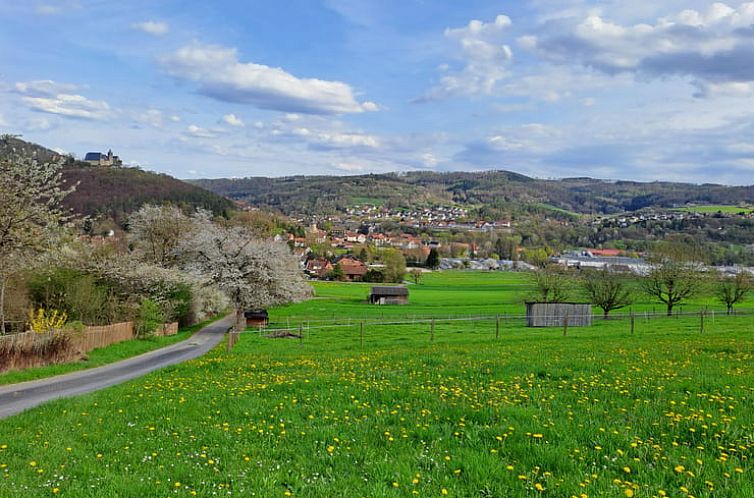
(116, 192)
(501, 190)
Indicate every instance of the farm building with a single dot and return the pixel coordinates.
(556, 314)
(257, 318)
(388, 295)
(353, 269)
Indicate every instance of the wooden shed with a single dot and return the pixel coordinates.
(555, 314)
(257, 318)
(388, 295)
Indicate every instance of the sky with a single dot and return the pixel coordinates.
(640, 90)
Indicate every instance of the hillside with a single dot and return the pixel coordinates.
(115, 192)
(490, 191)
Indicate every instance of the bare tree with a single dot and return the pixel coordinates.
(157, 231)
(607, 290)
(30, 214)
(731, 291)
(253, 273)
(671, 281)
(551, 285)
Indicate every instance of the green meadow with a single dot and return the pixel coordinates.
(667, 411)
(716, 208)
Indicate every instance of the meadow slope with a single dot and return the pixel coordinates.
(667, 411)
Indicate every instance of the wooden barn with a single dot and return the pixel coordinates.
(257, 319)
(388, 295)
(556, 314)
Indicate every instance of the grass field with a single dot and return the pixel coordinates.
(715, 208)
(666, 411)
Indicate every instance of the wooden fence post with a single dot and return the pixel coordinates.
(565, 325)
(701, 322)
(432, 331)
(301, 334)
(497, 327)
(632, 323)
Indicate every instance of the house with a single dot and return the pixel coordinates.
(356, 237)
(388, 295)
(612, 253)
(353, 269)
(318, 267)
(100, 159)
(257, 318)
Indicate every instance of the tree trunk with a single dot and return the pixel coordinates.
(605, 314)
(670, 309)
(730, 309)
(239, 325)
(2, 304)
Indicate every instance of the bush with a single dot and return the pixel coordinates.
(149, 318)
(76, 293)
(374, 276)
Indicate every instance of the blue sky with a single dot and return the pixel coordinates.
(640, 90)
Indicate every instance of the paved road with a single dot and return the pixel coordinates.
(16, 398)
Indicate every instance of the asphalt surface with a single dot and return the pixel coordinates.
(16, 398)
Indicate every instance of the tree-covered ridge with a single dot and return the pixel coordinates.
(497, 191)
(116, 192)
(113, 192)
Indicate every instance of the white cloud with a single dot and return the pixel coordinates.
(350, 166)
(484, 57)
(55, 98)
(44, 87)
(156, 28)
(199, 132)
(151, 117)
(75, 106)
(713, 46)
(336, 139)
(48, 10)
(233, 120)
(220, 75)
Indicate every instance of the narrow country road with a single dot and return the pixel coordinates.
(16, 398)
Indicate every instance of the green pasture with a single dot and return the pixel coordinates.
(457, 293)
(667, 411)
(716, 208)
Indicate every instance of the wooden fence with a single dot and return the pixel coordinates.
(29, 349)
(94, 337)
(168, 329)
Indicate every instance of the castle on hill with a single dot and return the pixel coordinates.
(100, 159)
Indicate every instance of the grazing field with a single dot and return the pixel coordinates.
(667, 411)
(715, 208)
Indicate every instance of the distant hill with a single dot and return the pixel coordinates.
(116, 192)
(492, 192)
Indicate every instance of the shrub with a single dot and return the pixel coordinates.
(149, 318)
(43, 320)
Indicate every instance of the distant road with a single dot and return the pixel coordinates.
(16, 398)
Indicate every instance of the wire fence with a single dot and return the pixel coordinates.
(299, 327)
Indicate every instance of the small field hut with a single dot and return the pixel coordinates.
(257, 318)
(388, 295)
(556, 314)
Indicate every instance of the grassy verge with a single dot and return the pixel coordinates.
(664, 412)
(103, 356)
